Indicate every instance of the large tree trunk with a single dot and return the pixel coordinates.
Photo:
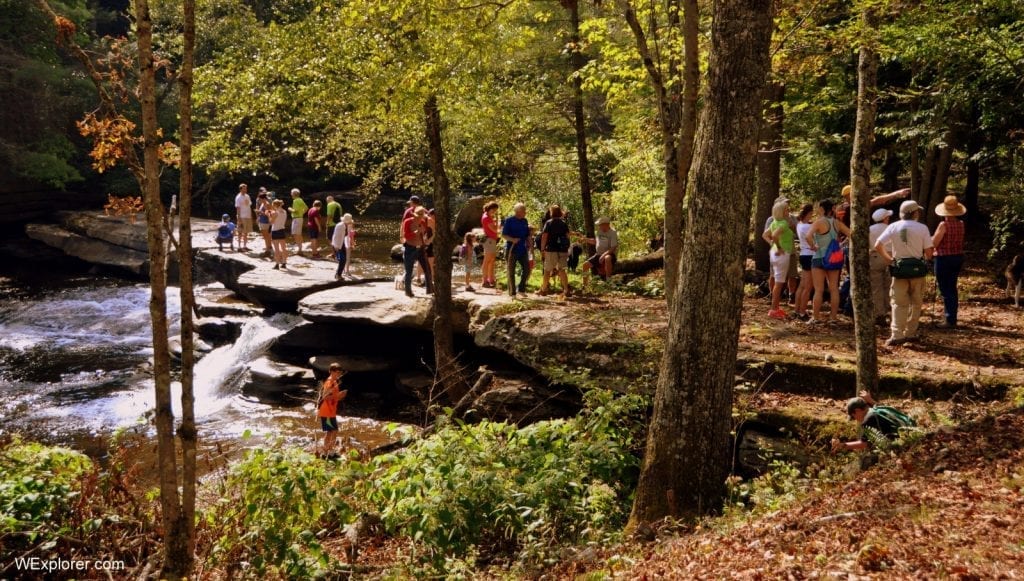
(939, 179)
(170, 506)
(769, 169)
(579, 117)
(180, 561)
(688, 456)
(446, 368)
(860, 174)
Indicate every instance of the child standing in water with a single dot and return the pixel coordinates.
(331, 395)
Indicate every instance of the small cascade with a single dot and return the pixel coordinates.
(219, 374)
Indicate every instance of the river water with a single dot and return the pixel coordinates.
(75, 353)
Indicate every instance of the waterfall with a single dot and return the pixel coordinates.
(219, 374)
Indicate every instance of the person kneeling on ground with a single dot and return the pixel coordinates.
(225, 233)
(877, 423)
(331, 395)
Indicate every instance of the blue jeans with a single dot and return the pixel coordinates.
(410, 256)
(947, 270)
(341, 256)
(523, 260)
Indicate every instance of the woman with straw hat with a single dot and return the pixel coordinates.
(949, 256)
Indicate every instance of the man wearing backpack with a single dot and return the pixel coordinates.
(878, 423)
(554, 245)
(905, 245)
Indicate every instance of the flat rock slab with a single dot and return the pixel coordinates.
(254, 277)
(90, 250)
(266, 370)
(380, 303)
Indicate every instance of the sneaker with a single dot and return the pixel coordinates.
(813, 322)
(277, 267)
(802, 316)
(945, 325)
(409, 294)
(777, 314)
(470, 289)
(893, 342)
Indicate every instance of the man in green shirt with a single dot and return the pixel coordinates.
(333, 213)
(298, 218)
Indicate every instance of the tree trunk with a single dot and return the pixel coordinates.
(688, 455)
(769, 169)
(973, 186)
(446, 368)
(940, 180)
(860, 174)
(180, 561)
(170, 506)
(579, 117)
(915, 169)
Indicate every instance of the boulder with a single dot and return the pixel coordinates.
(218, 331)
(397, 253)
(521, 402)
(321, 364)
(469, 215)
(90, 250)
(272, 379)
(760, 443)
(222, 302)
(417, 384)
(116, 230)
(555, 342)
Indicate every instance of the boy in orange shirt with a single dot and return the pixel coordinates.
(327, 409)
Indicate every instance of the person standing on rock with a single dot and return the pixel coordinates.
(279, 234)
(467, 256)
(489, 222)
(332, 215)
(331, 395)
(263, 219)
(949, 256)
(516, 232)
(339, 241)
(906, 245)
(350, 239)
(413, 229)
(780, 236)
(314, 223)
(298, 218)
(243, 211)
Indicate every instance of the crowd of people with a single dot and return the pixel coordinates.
(518, 240)
(322, 223)
(809, 252)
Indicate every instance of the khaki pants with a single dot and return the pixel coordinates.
(881, 280)
(907, 297)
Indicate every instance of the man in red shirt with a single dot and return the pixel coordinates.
(413, 230)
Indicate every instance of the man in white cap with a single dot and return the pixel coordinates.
(880, 278)
(906, 245)
(606, 243)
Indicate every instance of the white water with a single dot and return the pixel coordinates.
(219, 374)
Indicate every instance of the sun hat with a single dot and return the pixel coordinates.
(347, 218)
(421, 211)
(847, 190)
(950, 207)
(602, 220)
(909, 207)
(880, 214)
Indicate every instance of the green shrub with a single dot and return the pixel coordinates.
(276, 504)
(518, 492)
(38, 486)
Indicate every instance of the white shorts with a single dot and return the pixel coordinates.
(297, 226)
(490, 246)
(780, 266)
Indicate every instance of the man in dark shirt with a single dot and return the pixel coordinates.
(516, 232)
(554, 246)
(876, 423)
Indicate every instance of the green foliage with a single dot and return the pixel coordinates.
(1007, 224)
(38, 486)
(499, 489)
(276, 503)
(775, 489)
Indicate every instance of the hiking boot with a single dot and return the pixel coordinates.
(409, 294)
(893, 342)
(470, 289)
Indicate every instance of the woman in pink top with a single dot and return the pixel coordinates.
(489, 221)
